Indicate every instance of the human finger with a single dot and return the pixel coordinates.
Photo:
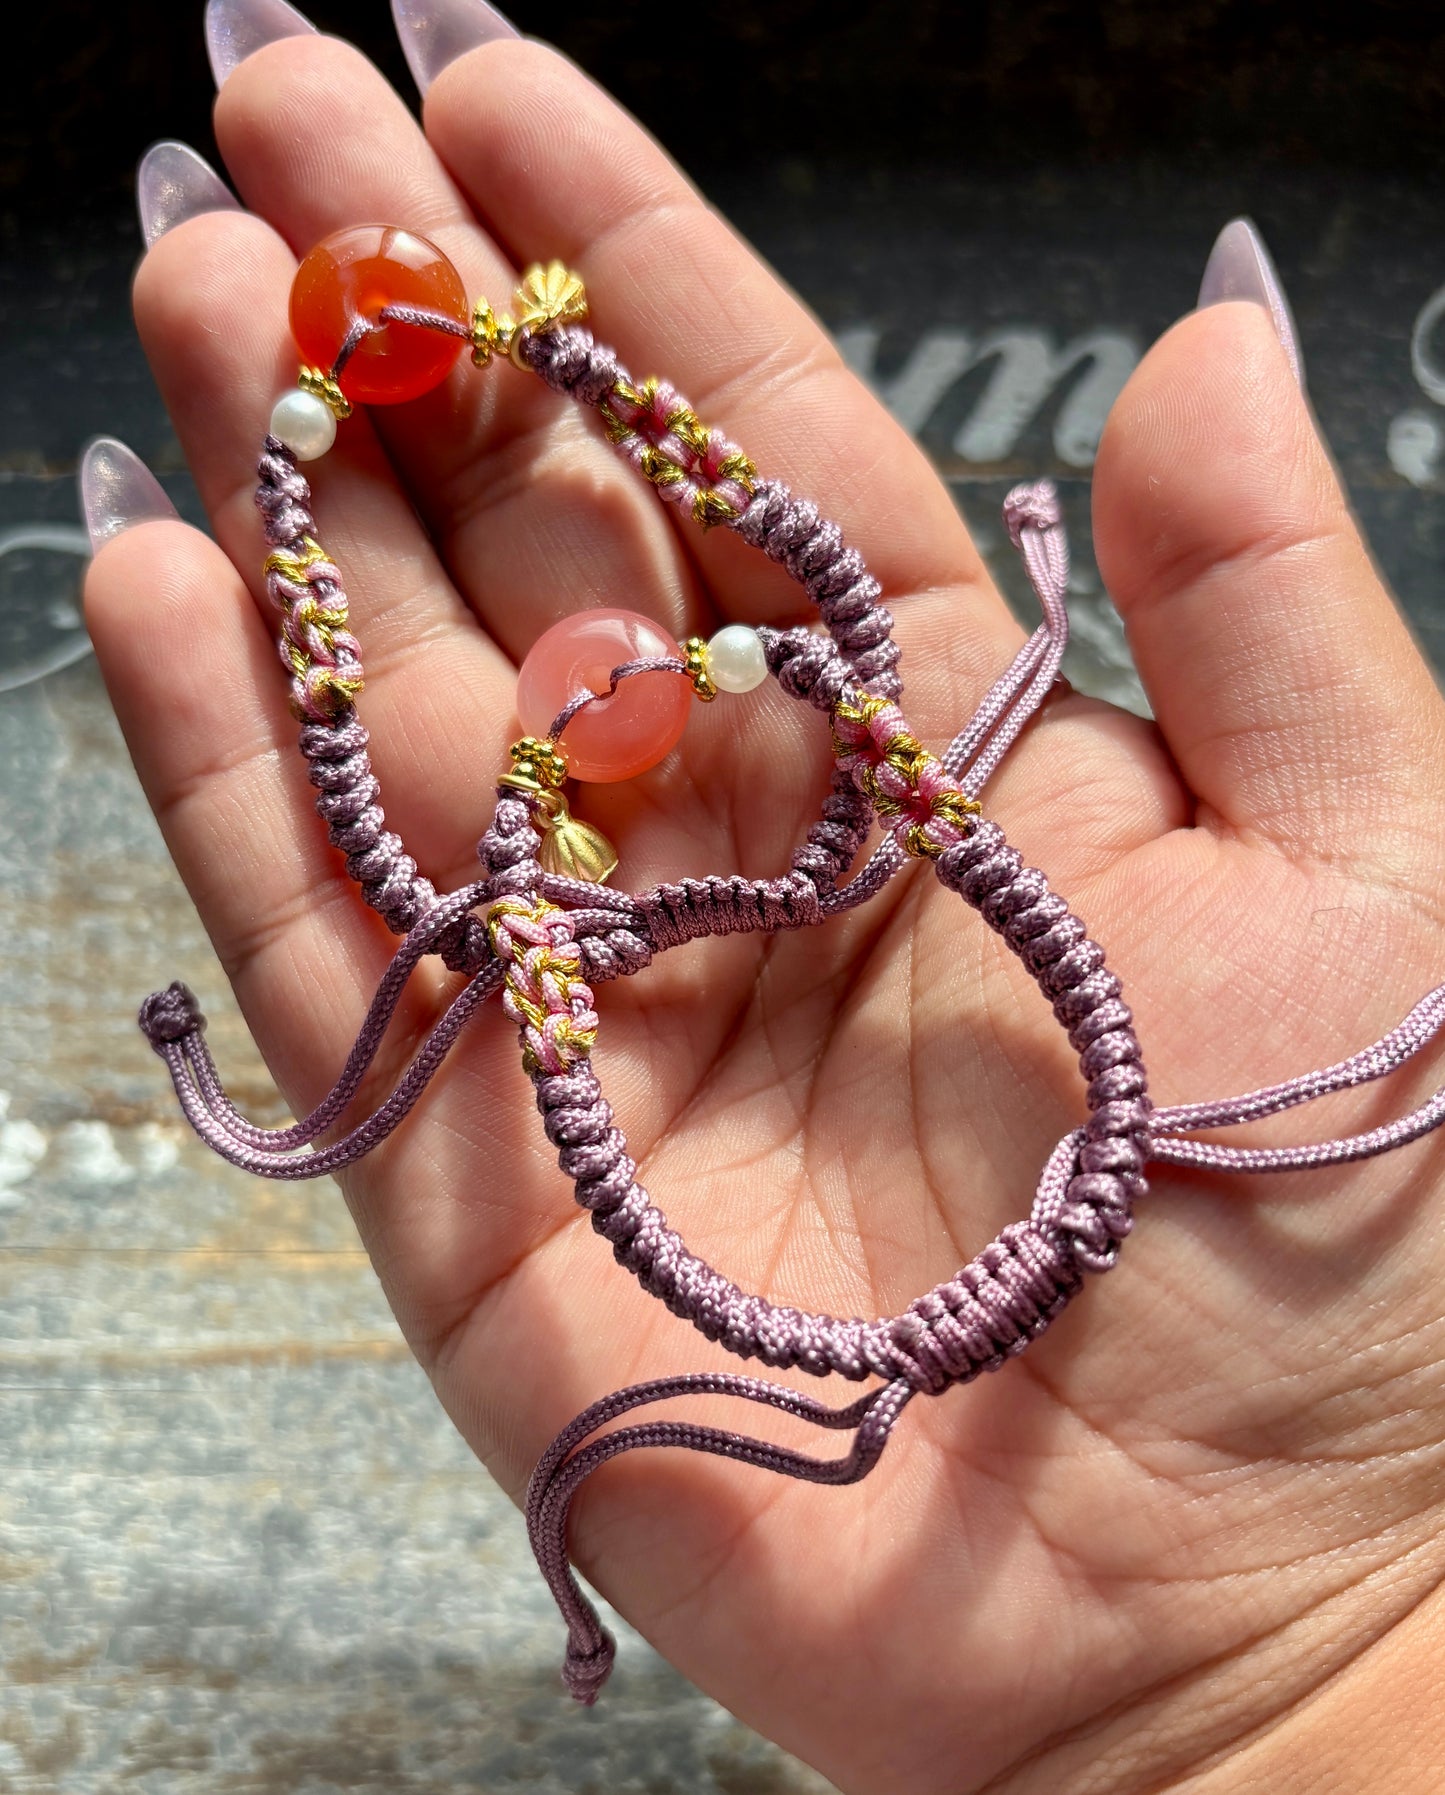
(1286, 683)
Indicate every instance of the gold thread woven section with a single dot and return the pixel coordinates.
(710, 504)
(542, 982)
(907, 757)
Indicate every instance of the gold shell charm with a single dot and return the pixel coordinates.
(548, 297)
(572, 849)
(320, 385)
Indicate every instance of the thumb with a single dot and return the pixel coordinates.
(1288, 689)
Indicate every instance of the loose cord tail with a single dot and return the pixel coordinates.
(174, 1025)
(569, 1461)
(1035, 524)
(1422, 1026)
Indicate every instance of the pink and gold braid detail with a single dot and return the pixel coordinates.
(693, 467)
(923, 809)
(317, 647)
(545, 993)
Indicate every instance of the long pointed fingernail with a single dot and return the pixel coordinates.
(117, 490)
(173, 184)
(1239, 267)
(434, 33)
(236, 29)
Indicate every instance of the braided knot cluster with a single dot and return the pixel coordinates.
(924, 810)
(545, 993)
(1091, 1206)
(317, 648)
(691, 466)
(795, 534)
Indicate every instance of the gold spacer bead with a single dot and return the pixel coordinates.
(540, 761)
(320, 385)
(492, 333)
(694, 654)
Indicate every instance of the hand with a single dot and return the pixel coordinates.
(1182, 1528)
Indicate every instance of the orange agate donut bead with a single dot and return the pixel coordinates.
(359, 272)
(619, 736)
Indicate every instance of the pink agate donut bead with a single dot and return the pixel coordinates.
(617, 737)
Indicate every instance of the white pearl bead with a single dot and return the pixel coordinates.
(304, 423)
(735, 659)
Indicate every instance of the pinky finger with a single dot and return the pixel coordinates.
(192, 673)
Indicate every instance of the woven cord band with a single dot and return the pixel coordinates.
(543, 940)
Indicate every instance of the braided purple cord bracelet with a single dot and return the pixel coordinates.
(532, 929)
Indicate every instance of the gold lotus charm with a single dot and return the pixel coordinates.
(548, 297)
(573, 849)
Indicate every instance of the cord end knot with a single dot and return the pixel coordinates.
(1036, 503)
(170, 1015)
(584, 1673)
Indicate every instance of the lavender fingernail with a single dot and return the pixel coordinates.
(117, 490)
(1239, 267)
(236, 29)
(434, 33)
(173, 184)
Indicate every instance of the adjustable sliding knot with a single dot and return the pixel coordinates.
(170, 1015)
(991, 1310)
(924, 808)
(545, 993)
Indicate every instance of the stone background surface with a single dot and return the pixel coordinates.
(241, 1549)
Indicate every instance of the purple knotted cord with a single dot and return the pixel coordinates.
(1006, 1296)
(655, 663)
(420, 316)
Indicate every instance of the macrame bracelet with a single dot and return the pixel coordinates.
(380, 316)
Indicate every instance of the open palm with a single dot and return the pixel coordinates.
(1215, 1482)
